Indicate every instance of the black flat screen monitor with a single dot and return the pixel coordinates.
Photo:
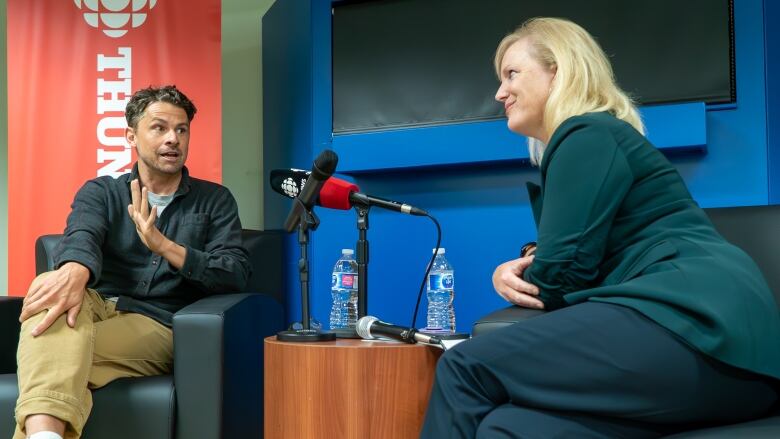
(406, 63)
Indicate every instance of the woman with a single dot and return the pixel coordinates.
(659, 325)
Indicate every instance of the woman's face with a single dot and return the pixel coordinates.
(525, 87)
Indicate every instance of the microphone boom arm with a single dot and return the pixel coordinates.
(358, 198)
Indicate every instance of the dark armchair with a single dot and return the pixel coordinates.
(216, 389)
(756, 230)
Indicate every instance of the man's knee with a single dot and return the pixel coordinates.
(33, 321)
(58, 335)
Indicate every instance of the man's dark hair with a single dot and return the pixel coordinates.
(167, 93)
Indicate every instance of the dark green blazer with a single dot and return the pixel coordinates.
(617, 224)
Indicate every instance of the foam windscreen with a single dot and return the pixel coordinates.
(335, 193)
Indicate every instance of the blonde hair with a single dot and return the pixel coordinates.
(584, 81)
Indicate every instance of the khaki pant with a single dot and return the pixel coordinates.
(58, 369)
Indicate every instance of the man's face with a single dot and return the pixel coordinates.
(162, 139)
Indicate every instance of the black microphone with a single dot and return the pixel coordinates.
(335, 193)
(369, 325)
(368, 200)
(323, 168)
(288, 182)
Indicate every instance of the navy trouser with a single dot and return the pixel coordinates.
(591, 370)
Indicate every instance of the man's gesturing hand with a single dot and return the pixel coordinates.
(144, 218)
(508, 282)
(59, 291)
(150, 235)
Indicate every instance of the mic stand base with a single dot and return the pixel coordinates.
(448, 340)
(345, 333)
(446, 335)
(305, 335)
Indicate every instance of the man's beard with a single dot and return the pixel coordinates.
(169, 170)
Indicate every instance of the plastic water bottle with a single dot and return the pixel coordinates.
(441, 292)
(344, 283)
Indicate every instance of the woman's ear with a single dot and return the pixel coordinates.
(554, 70)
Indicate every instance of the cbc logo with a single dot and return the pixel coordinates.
(115, 17)
(290, 188)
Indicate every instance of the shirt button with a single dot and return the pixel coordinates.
(154, 262)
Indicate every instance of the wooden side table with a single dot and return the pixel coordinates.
(346, 389)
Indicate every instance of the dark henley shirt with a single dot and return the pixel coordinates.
(202, 217)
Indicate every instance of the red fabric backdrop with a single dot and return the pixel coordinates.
(65, 115)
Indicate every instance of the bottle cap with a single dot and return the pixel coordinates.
(441, 251)
(347, 251)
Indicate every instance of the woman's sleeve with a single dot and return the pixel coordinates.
(584, 186)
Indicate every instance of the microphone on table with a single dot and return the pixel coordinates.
(369, 327)
(335, 192)
(323, 167)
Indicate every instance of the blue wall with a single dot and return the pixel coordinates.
(772, 50)
(474, 183)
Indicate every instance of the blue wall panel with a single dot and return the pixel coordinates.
(287, 116)
(734, 170)
(475, 186)
(772, 38)
(670, 127)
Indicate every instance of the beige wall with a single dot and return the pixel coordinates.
(242, 106)
(242, 116)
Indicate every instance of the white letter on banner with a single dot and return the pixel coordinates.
(122, 63)
(112, 97)
(117, 162)
(111, 123)
(113, 89)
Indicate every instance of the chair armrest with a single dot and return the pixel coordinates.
(44, 252)
(10, 308)
(267, 258)
(218, 364)
(503, 317)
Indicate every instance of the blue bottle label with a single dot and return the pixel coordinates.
(441, 281)
(343, 280)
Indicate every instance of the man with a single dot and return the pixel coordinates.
(122, 269)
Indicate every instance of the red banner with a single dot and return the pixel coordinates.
(72, 66)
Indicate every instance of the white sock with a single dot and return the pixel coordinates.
(44, 435)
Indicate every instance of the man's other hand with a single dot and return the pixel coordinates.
(58, 292)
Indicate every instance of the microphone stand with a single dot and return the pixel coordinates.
(308, 221)
(361, 250)
(362, 260)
